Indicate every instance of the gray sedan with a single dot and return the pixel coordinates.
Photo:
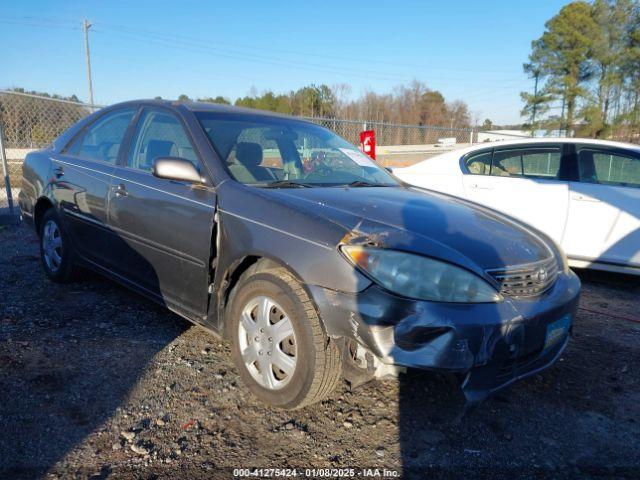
(314, 262)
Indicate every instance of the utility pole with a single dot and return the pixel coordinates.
(535, 104)
(86, 25)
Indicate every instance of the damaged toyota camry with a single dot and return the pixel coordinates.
(314, 262)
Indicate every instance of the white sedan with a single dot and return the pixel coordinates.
(583, 193)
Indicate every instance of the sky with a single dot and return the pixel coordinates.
(468, 50)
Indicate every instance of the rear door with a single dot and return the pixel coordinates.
(163, 226)
(81, 180)
(604, 211)
(524, 181)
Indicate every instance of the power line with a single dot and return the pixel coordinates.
(203, 43)
(200, 46)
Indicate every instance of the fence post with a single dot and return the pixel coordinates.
(5, 169)
(471, 136)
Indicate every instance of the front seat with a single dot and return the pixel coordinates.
(248, 165)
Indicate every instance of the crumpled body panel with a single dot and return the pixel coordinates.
(489, 345)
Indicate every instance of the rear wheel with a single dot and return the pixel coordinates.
(278, 343)
(56, 252)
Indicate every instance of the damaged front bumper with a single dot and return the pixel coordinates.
(488, 345)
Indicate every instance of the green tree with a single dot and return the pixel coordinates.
(608, 51)
(313, 101)
(589, 59)
(561, 56)
(219, 99)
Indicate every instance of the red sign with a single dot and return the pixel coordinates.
(368, 143)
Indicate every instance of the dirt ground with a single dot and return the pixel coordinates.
(97, 382)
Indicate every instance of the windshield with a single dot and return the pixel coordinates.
(286, 153)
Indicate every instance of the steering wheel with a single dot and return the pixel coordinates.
(321, 171)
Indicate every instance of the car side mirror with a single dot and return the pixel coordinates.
(174, 168)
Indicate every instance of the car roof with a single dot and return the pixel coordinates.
(528, 141)
(204, 107)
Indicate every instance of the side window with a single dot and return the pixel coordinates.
(479, 163)
(159, 134)
(529, 162)
(609, 168)
(102, 140)
(507, 163)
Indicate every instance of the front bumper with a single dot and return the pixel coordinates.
(488, 345)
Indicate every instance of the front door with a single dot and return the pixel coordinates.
(164, 227)
(604, 211)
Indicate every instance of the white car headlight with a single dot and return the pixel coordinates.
(419, 277)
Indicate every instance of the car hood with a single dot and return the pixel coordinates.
(423, 222)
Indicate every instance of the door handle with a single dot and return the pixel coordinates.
(58, 172)
(477, 186)
(583, 198)
(119, 190)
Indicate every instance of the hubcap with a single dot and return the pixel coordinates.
(267, 343)
(52, 245)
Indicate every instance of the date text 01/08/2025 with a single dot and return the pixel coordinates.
(316, 472)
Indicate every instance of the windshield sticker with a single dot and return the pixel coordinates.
(358, 157)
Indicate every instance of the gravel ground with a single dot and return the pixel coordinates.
(97, 382)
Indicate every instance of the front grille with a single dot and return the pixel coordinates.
(526, 280)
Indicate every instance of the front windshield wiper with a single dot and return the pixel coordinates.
(363, 183)
(286, 184)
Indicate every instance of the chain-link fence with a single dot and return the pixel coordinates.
(395, 134)
(31, 122)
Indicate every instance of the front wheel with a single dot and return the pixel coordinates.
(278, 343)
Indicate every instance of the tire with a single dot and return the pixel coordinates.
(56, 251)
(316, 358)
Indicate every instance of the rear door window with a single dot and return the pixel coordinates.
(103, 139)
(609, 167)
(530, 162)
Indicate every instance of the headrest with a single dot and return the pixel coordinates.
(249, 154)
(587, 166)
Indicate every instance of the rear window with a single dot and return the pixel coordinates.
(479, 163)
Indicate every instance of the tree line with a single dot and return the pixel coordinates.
(33, 120)
(586, 71)
(413, 104)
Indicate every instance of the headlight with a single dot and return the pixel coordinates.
(420, 277)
